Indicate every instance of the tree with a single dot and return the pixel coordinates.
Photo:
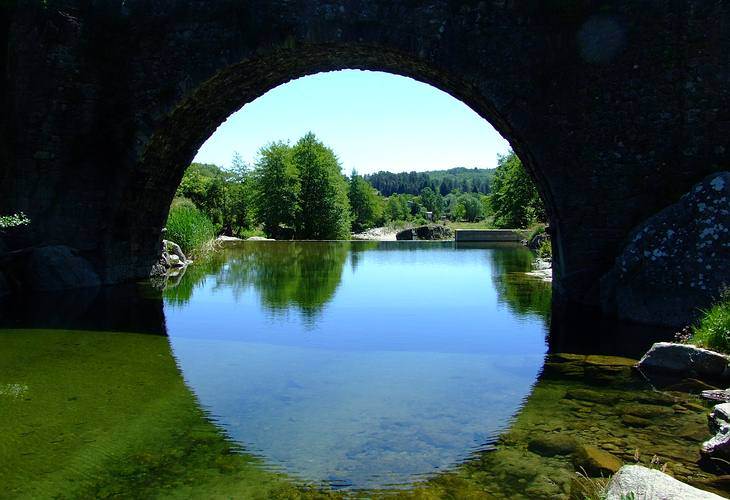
(324, 210)
(432, 201)
(396, 208)
(515, 200)
(472, 204)
(363, 203)
(275, 197)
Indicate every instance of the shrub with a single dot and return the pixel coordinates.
(189, 227)
(14, 220)
(545, 251)
(713, 330)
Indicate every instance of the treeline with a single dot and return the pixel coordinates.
(465, 180)
(299, 192)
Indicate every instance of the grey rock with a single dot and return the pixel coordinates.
(719, 418)
(428, 232)
(173, 248)
(649, 483)
(676, 262)
(716, 394)
(58, 267)
(686, 359)
(718, 446)
(175, 261)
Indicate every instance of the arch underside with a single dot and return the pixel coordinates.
(107, 104)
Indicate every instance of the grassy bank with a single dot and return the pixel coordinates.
(189, 227)
(713, 329)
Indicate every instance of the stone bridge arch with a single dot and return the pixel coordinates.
(611, 105)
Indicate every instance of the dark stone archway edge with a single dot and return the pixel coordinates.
(616, 108)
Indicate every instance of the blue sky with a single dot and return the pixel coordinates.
(372, 120)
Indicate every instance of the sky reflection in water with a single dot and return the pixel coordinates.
(360, 364)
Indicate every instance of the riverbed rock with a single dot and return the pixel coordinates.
(58, 267)
(596, 462)
(549, 445)
(173, 248)
(591, 395)
(718, 446)
(719, 417)
(646, 411)
(675, 263)
(636, 481)
(428, 232)
(634, 421)
(716, 394)
(685, 359)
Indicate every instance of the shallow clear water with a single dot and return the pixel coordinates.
(372, 366)
(323, 370)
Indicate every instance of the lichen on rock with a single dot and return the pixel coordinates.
(677, 262)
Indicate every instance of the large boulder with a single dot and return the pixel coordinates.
(685, 360)
(635, 481)
(428, 232)
(675, 263)
(58, 267)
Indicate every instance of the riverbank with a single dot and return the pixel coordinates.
(377, 234)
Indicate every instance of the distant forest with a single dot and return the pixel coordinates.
(466, 180)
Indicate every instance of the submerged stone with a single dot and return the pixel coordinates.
(646, 410)
(590, 395)
(596, 462)
(549, 445)
(691, 385)
(633, 421)
(636, 481)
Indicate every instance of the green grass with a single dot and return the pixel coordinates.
(189, 227)
(713, 330)
(535, 229)
(254, 231)
(484, 224)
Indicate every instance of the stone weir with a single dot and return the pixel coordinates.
(488, 235)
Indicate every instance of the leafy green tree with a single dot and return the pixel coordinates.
(472, 207)
(223, 196)
(239, 200)
(515, 200)
(396, 208)
(324, 210)
(363, 203)
(276, 188)
(432, 201)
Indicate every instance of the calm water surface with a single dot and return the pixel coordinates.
(316, 370)
(358, 364)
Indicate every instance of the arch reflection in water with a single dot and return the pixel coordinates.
(381, 372)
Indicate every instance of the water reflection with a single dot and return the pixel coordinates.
(382, 372)
(382, 363)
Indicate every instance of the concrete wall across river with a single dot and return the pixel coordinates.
(487, 235)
